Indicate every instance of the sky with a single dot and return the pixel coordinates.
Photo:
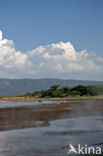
(51, 39)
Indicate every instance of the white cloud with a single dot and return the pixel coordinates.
(12, 60)
(53, 59)
(1, 35)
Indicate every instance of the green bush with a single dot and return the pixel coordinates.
(100, 90)
(56, 91)
(75, 93)
(81, 89)
(54, 87)
(43, 93)
(92, 90)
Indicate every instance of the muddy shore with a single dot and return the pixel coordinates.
(27, 99)
(29, 116)
(40, 115)
(32, 116)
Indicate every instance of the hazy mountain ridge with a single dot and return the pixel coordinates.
(11, 87)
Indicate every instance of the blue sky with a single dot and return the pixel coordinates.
(32, 23)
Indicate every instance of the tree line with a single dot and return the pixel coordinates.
(64, 91)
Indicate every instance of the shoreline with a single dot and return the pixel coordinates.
(32, 116)
(30, 99)
(20, 117)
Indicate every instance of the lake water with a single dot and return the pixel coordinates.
(53, 140)
(4, 104)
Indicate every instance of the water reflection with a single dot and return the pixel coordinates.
(4, 104)
(83, 126)
(52, 140)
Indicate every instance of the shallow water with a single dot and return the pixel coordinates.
(52, 140)
(5, 104)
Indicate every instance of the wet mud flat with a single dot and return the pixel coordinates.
(31, 116)
(40, 115)
(47, 130)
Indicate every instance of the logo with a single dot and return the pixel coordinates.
(72, 149)
(84, 150)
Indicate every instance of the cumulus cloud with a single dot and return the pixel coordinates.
(12, 61)
(54, 59)
(62, 57)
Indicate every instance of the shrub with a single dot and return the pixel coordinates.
(81, 89)
(44, 93)
(54, 87)
(75, 93)
(92, 90)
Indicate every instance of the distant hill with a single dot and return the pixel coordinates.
(12, 87)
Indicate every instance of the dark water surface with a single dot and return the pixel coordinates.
(54, 140)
